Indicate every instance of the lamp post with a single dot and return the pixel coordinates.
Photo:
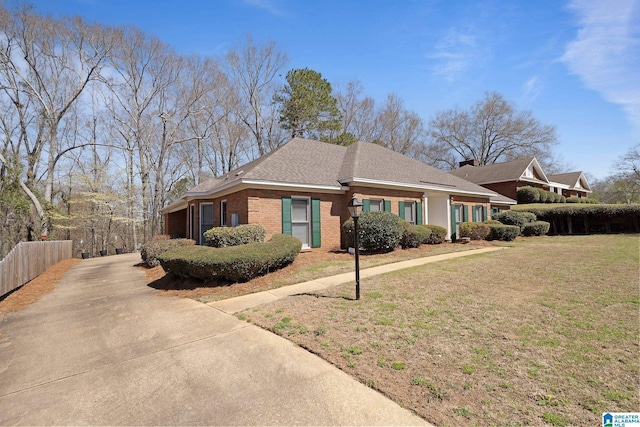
(355, 209)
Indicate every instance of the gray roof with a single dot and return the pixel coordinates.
(570, 179)
(305, 162)
(497, 172)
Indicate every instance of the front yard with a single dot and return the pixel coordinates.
(543, 333)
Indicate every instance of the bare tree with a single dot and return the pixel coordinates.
(491, 131)
(253, 71)
(46, 64)
(358, 112)
(397, 128)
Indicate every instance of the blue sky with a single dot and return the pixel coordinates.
(575, 64)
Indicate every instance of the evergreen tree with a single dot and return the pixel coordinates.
(307, 108)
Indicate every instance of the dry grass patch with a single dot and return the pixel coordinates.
(544, 333)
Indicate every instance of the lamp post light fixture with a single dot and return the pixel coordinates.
(355, 209)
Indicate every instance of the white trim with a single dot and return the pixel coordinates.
(176, 206)
(267, 185)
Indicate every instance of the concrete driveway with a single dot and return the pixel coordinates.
(104, 348)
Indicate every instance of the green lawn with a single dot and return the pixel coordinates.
(545, 332)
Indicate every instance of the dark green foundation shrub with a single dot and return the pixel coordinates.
(528, 195)
(379, 231)
(437, 236)
(474, 230)
(414, 235)
(537, 228)
(151, 250)
(503, 232)
(222, 237)
(519, 219)
(235, 263)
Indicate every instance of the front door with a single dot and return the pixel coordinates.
(457, 217)
(206, 219)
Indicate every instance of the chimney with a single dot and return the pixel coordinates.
(472, 162)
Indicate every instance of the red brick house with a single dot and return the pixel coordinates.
(508, 177)
(303, 188)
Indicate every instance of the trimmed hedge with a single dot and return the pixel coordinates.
(414, 235)
(537, 228)
(234, 263)
(150, 251)
(221, 237)
(503, 232)
(528, 195)
(437, 236)
(379, 231)
(582, 200)
(474, 230)
(515, 218)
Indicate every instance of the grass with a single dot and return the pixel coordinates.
(542, 333)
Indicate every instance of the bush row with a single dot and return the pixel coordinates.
(379, 231)
(517, 218)
(222, 237)
(589, 209)
(414, 235)
(503, 232)
(151, 250)
(583, 200)
(475, 230)
(538, 195)
(235, 263)
(536, 228)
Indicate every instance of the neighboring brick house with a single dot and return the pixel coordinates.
(508, 177)
(303, 188)
(572, 184)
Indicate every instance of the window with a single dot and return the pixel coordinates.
(478, 213)
(376, 205)
(495, 211)
(300, 220)
(206, 219)
(410, 212)
(223, 213)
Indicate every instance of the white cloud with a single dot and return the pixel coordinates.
(606, 51)
(267, 5)
(531, 89)
(456, 52)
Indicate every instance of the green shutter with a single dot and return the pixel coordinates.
(465, 213)
(387, 205)
(316, 240)
(474, 213)
(366, 205)
(485, 212)
(401, 209)
(419, 213)
(286, 215)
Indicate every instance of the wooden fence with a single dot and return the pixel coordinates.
(30, 259)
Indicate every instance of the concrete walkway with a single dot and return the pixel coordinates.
(235, 305)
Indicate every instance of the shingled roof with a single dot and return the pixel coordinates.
(571, 179)
(310, 163)
(500, 172)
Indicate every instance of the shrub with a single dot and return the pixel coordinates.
(234, 264)
(151, 250)
(515, 218)
(528, 195)
(491, 221)
(545, 196)
(437, 236)
(379, 231)
(161, 237)
(503, 232)
(537, 228)
(414, 235)
(221, 237)
(474, 230)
